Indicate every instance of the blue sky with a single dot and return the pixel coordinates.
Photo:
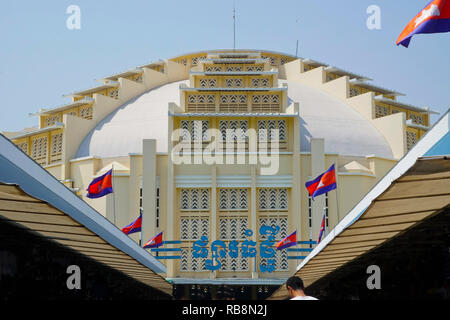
(41, 59)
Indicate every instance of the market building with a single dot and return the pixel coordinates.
(219, 143)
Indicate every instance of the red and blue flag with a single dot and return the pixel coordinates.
(289, 241)
(100, 186)
(323, 183)
(133, 227)
(322, 227)
(154, 242)
(434, 18)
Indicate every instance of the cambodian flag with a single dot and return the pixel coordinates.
(154, 242)
(133, 227)
(434, 18)
(100, 186)
(323, 183)
(322, 228)
(289, 241)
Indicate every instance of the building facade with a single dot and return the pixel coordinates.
(221, 142)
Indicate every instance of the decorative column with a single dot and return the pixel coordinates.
(149, 189)
(317, 168)
(253, 223)
(171, 194)
(295, 213)
(213, 218)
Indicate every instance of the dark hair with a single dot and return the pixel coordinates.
(295, 283)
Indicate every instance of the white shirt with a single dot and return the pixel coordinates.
(304, 298)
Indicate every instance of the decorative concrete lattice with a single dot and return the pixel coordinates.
(381, 111)
(417, 119)
(56, 148)
(233, 228)
(23, 146)
(194, 130)
(51, 120)
(114, 93)
(267, 130)
(233, 103)
(233, 130)
(188, 263)
(234, 264)
(354, 92)
(201, 103)
(86, 112)
(194, 199)
(274, 199)
(266, 103)
(39, 150)
(192, 228)
(233, 199)
(411, 139)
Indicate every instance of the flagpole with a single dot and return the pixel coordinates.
(337, 198)
(141, 242)
(114, 194)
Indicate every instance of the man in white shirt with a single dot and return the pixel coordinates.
(296, 289)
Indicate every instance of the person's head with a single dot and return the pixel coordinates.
(295, 286)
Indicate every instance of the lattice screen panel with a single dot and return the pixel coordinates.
(232, 228)
(274, 221)
(192, 228)
(354, 92)
(114, 93)
(201, 103)
(233, 103)
(234, 264)
(417, 119)
(273, 199)
(281, 260)
(266, 103)
(381, 111)
(56, 148)
(194, 199)
(233, 199)
(23, 146)
(86, 112)
(194, 130)
(39, 150)
(411, 139)
(51, 120)
(233, 130)
(188, 263)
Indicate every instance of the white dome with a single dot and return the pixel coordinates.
(146, 117)
(345, 131)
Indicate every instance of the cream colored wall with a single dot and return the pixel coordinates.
(393, 128)
(352, 188)
(338, 88)
(56, 170)
(72, 139)
(364, 104)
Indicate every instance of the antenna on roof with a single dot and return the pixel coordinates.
(234, 25)
(296, 48)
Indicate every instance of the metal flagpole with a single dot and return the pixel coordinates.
(296, 48)
(142, 226)
(114, 194)
(337, 198)
(234, 26)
